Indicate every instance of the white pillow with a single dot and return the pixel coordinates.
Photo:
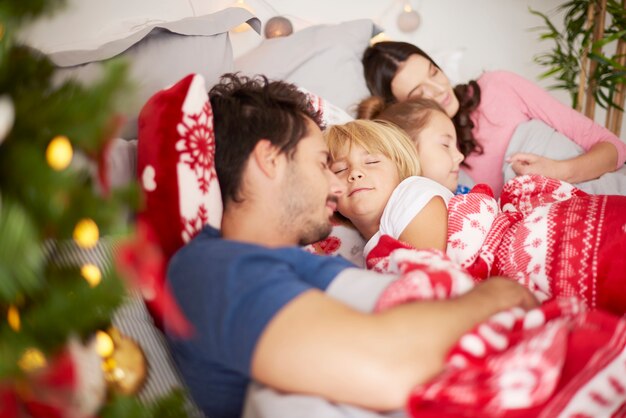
(159, 55)
(324, 59)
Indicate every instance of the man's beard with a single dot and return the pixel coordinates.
(298, 205)
(314, 232)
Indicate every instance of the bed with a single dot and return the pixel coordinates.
(190, 55)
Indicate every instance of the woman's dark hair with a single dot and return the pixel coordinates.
(247, 110)
(380, 64)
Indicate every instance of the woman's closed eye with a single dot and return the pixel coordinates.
(416, 92)
(372, 162)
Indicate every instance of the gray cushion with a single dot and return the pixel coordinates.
(159, 55)
(324, 59)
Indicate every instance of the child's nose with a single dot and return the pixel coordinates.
(355, 174)
(459, 157)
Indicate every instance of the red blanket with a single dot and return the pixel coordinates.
(558, 360)
(546, 234)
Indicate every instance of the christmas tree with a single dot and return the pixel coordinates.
(56, 344)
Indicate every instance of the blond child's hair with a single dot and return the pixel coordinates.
(376, 136)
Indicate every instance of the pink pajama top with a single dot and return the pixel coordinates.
(507, 100)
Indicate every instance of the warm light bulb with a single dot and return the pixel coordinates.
(379, 38)
(86, 233)
(13, 318)
(278, 26)
(409, 21)
(32, 359)
(104, 344)
(244, 26)
(92, 274)
(59, 153)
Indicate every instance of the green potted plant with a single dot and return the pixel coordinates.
(579, 60)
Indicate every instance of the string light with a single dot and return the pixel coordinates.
(104, 344)
(379, 38)
(13, 318)
(86, 233)
(243, 26)
(59, 153)
(408, 20)
(32, 359)
(91, 273)
(278, 26)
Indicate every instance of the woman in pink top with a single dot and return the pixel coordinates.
(486, 113)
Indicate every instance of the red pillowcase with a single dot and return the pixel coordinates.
(175, 164)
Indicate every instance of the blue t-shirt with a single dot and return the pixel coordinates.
(229, 291)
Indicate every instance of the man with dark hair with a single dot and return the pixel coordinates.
(262, 307)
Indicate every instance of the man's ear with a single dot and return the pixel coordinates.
(267, 157)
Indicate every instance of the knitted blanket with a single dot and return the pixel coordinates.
(557, 360)
(548, 235)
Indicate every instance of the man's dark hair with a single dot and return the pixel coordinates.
(246, 110)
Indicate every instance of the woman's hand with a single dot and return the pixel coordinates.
(523, 163)
(598, 160)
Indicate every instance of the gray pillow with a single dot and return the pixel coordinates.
(324, 59)
(159, 55)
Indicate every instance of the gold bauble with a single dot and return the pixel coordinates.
(126, 369)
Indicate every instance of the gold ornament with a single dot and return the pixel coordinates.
(125, 369)
(59, 153)
(92, 274)
(13, 318)
(86, 233)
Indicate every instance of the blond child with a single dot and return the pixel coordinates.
(387, 193)
(431, 131)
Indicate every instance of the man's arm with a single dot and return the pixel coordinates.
(317, 345)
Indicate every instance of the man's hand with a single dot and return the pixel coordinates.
(503, 293)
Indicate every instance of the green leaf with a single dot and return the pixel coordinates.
(21, 257)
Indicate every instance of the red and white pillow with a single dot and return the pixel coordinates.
(175, 163)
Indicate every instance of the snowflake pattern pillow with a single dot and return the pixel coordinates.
(175, 163)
